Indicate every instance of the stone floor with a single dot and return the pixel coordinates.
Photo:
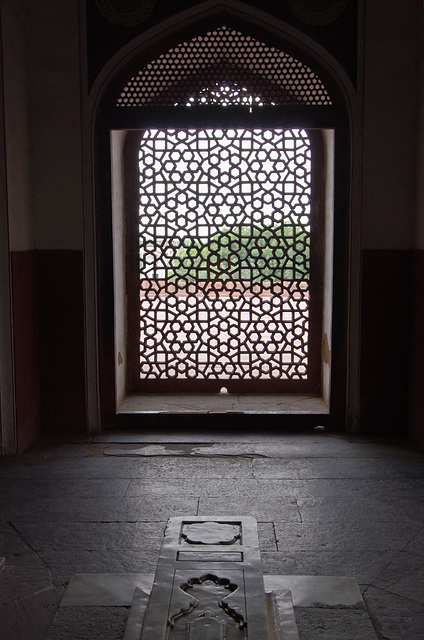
(326, 504)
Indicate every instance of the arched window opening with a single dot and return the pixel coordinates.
(223, 223)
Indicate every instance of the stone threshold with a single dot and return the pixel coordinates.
(203, 403)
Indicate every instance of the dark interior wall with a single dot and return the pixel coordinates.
(27, 389)
(22, 395)
(391, 81)
(43, 220)
(48, 329)
(55, 69)
(60, 286)
(416, 417)
(386, 324)
(4, 262)
(417, 312)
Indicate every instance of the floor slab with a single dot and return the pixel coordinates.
(105, 590)
(88, 623)
(312, 591)
(349, 536)
(366, 566)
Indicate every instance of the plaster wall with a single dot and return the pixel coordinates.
(419, 223)
(390, 120)
(55, 118)
(16, 106)
(21, 327)
(391, 83)
(45, 205)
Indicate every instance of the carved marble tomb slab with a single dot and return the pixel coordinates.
(208, 583)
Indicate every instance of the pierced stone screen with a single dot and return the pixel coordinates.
(265, 74)
(224, 243)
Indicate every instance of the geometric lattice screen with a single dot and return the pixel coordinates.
(191, 72)
(224, 242)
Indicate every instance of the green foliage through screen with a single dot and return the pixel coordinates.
(243, 253)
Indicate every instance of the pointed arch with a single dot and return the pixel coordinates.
(103, 117)
(158, 40)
